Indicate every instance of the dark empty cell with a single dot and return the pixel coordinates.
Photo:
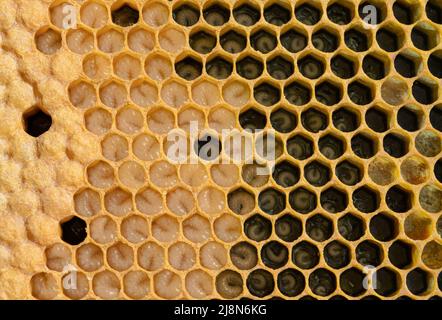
(435, 64)
(433, 10)
(263, 41)
(373, 67)
(208, 147)
(293, 41)
(274, 255)
(333, 200)
(331, 147)
(368, 253)
(252, 120)
(342, 67)
(400, 254)
(258, 228)
(325, 41)
(339, 14)
(36, 122)
(307, 14)
(386, 282)
(423, 93)
(408, 119)
(356, 40)
(345, 120)
(365, 200)
(186, 15)
(277, 15)
(328, 93)
(283, 121)
(188, 68)
(336, 255)
(438, 171)
(233, 42)
(279, 68)
(371, 13)
(351, 282)
(359, 93)
(288, 228)
(73, 231)
(322, 282)
(271, 201)
(305, 255)
(348, 173)
(403, 12)
(436, 117)
(317, 174)
(418, 281)
(302, 200)
(202, 42)
(383, 227)
(291, 282)
(398, 199)
(314, 120)
(310, 67)
(260, 283)
(420, 39)
(377, 120)
(219, 68)
(216, 15)
(387, 40)
(395, 145)
(300, 147)
(244, 256)
(351, 227)
(249, 68)
(405, 66)
(125, 16)
(363, 146)
(286, 174)
(319, 228)
(266, 94)
(297, 94)
(246, 15)
(439, 281)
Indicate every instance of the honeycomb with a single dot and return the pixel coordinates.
(92, 206)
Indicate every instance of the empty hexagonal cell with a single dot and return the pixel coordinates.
(325, 41)
(368, 253)
(406, 12)
(348, 173)
(288, 228)
(386, 282)
(351, 227)
(302, 200)
(339, 13)
(277, 14)
(410, 118)
(424, 36)
(216, 15)
(438, 170)
(433, 10)
(418, 226)
(300, 147)
(408, 63)
(337, 255)
(305, 255)
(274, 255)
(271, 201)
(283, 121)
(258, 228)
(435, 64)
(249, 67)
(363, 146)
(233, 42)
(328, 93)
(333, 200)
(365, 199)
(384, 227)
(280, 68)
(398, 199)
(202, 42)
(48, 41)
(425, 91)
(319, 228)
(186, 15)
(314, 120)
(244, 256)
(400, 254)
(82, 94)
(308, 14)
(331, 147)
(345, 120)
(418, 281)
(266, 94)
(229, 284)
(359, 93)
(246, 15)
(150, 256)
(374, 67)
(356, 40)
(317, 174)
(311, 67)
(263, 41)
(36, 122)
(430, 198)
(73, 230)
(293, 40)
(110, 40)
(428, 143)
(436, 117)
(395, 145)
(291, 282)
(342, 66)
(352, 282)
(389, 39)
(188, 68)
(286, 174)
(297, 94)
(219, 68)
(260, 283)
(322, 282)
